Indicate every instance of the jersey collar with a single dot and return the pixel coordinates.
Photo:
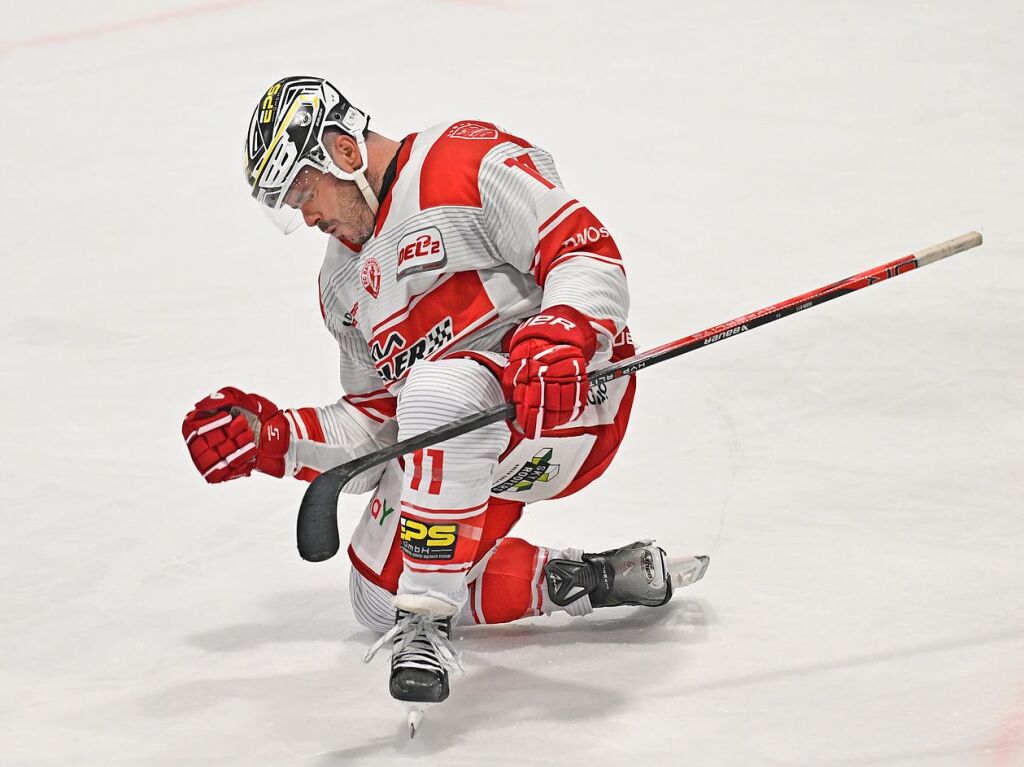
(388, 182)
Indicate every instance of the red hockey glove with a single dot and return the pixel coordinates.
(220, 432)
(546, 376)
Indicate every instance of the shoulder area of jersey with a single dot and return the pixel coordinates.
(452, 154)
(471, 135)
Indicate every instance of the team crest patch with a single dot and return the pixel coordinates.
(370, 276)
(471, 130)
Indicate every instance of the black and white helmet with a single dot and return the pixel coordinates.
(286, 135)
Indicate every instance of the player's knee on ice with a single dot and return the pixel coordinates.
(371, 604)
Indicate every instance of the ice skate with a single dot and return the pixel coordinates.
(422, 654)
(640, 574)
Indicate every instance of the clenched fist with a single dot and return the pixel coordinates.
(230, 433)
(546, 375)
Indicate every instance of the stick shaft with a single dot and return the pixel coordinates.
(785, 308)
(318, 521)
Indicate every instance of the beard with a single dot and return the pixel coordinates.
(364, 229)
(358, 226)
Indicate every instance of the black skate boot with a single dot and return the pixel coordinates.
(422, 654)
(419, 672)
(639, 574)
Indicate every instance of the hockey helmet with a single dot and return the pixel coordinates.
(286, 137)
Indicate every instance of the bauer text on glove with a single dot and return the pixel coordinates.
(546, 376)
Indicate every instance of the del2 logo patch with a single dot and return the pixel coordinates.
(420, 251)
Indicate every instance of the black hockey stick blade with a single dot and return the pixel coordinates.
(317, 527)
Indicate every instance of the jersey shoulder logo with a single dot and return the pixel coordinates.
(472, 130)
(421, 251)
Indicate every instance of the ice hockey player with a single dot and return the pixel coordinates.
(459, 274)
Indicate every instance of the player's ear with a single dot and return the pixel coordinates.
(343, 150)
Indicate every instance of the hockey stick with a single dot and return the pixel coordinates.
(318, 514)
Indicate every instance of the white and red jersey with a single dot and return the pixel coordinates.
(474, 234)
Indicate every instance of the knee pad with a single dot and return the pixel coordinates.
(438, 392)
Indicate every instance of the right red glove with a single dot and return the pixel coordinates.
(546, 375)
(220, 432)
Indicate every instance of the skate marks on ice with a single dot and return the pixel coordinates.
(493, 696)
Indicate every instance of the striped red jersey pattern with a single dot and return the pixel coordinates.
(475, 234)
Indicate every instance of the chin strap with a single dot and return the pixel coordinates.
(371, 199)
(352, 125)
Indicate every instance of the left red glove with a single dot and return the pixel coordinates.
(221, 435)
(546, 375)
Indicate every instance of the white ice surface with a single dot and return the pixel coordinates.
(856, 472)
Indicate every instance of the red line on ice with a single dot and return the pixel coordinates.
(164, 17)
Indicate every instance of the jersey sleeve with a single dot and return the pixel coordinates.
(542, 230)
(328, 436)
(361, 422)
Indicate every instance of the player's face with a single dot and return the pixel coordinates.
(333, 206)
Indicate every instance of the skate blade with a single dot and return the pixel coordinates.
(414, 717)
(687, 569)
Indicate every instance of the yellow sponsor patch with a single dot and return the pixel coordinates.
(423, 541)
